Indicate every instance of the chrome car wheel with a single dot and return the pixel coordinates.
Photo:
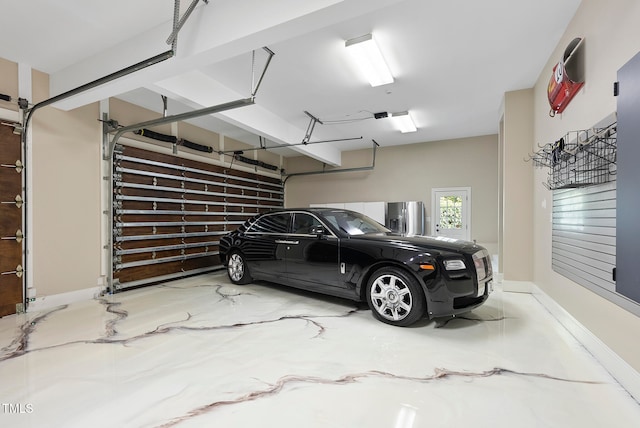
(395, 297)
(237, 269)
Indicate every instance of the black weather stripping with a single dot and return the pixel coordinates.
(174, 140)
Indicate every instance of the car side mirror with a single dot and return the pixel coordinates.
(319, 231)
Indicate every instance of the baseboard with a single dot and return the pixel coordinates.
(626, 375)
(518, 286)
(47, 302)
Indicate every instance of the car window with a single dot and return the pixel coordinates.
(272, 223)
(303, 223)
(353, 223)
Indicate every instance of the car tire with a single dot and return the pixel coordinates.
(395, 297)
(237, 269)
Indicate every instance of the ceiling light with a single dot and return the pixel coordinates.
(403, 121)
(367, 55)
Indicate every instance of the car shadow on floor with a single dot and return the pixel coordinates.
(312, 295)
(462, 321)
(347, 303)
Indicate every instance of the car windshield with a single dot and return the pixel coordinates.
(353, 223)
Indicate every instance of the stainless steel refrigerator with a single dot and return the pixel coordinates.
(406, 218)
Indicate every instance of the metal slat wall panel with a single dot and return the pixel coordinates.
(581, 219)
(579, 249)
(592, 267)
(593, 239)
(584, 230)
(584, 239)
(584, 279)
(169, 213)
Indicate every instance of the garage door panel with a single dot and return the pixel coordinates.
(202, 262)
(148, 271)
(11, 149)
(10, 185)
(11, 217)
(11, 252)
(11, 262)
(171, 212)
(213, 239)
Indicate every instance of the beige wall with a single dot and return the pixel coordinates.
(516, 140)
(612, 37)
(8, 83)
(66, 196)
(408, 173)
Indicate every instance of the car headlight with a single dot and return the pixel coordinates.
(482, 263)
(454, 264)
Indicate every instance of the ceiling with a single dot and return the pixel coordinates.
(452, 62)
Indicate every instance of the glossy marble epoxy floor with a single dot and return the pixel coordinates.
(203, 353)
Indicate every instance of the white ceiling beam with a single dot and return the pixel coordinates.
(198, 90)
(214, 32)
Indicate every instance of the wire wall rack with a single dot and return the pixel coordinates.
(579, 159)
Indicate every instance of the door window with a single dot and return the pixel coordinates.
(272, 224)
(303, 223)
(451, 213)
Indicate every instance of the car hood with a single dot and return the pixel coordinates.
(423, 242)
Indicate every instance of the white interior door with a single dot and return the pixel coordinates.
(451, 212)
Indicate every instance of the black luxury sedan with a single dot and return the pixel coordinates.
(346, 254)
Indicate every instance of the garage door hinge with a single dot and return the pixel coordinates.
(19, 236)
(18, 166)
(18, 201)
(18, 272)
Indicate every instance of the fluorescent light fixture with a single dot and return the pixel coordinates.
(367, 55)
(403, 121)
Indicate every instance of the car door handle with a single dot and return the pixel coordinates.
(287, 242)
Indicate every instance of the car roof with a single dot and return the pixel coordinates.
(307, 209)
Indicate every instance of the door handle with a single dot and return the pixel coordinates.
(287, 242)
